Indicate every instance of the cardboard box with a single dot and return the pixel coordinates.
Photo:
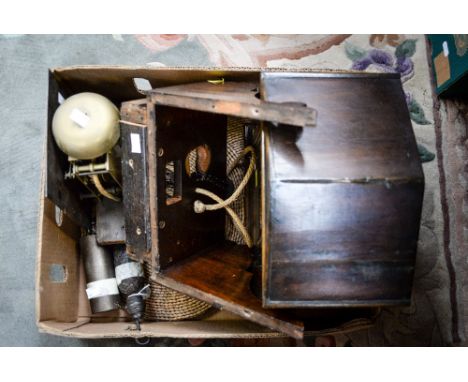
(62, 307)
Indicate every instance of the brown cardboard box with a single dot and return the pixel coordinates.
(61, 304)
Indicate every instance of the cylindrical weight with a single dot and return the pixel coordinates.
(129, 273)
(101, 288)
(130, 280)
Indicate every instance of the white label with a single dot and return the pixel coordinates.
(127, 270)
(80, 118)
(136, 143)
(102, 288)
(445, 48)
(142, 84)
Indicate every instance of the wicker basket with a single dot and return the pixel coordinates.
(166, 304)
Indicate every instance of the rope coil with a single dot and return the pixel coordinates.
(200, 207)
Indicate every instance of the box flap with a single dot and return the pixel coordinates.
(117, 82)
(238, 99)
(220, 276)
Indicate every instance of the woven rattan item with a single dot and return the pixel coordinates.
(235, 145)
(165, 304)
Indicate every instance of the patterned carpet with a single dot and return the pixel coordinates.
(436, 314)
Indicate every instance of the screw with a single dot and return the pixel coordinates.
(160, 152)
(138, 231)
(162, 224)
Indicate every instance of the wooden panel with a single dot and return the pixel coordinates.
(135, 187)
(110, 222)
(336, 283)
(342, 201)
(180, 231)
(238, 99)
(64, 193)
(220, 277)
(363, 129)
(227, 91)
(352, 242)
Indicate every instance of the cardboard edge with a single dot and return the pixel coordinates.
(73, 331)
(259, 69)
(39, 233)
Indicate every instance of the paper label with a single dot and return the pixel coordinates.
(102, 288)
(80, 118)
(127, 270)
(135, 143)
(445, 48)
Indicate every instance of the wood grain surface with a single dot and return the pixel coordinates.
(342, 200)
